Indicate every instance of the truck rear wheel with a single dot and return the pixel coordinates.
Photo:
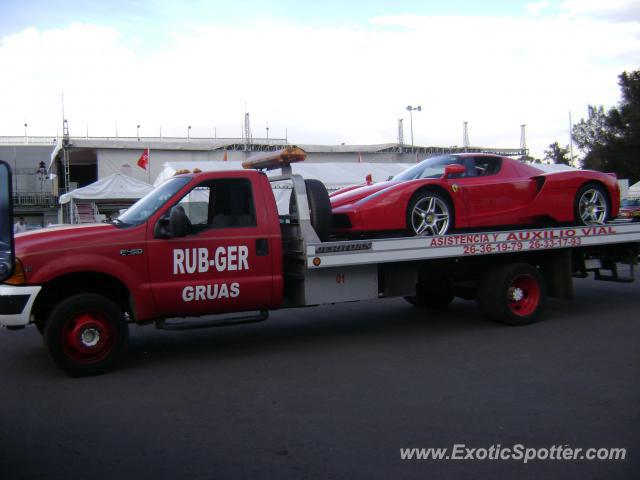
(86, 334)
(514, 294)
(319, 207)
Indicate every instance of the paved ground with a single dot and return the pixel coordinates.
(335, 392)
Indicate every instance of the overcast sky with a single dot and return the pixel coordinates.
(323, 72)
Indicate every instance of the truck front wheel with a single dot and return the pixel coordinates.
(85, 334)
(514, 294)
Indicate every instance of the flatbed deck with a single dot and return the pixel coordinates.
(361, 252)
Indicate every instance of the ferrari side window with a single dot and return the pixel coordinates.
(487, 166)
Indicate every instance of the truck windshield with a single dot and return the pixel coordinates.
(140, 211)
(429, 168)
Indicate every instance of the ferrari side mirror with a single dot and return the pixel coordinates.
(454, 169)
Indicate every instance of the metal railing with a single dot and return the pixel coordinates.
(34, 199)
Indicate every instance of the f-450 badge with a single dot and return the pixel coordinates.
(131, 251)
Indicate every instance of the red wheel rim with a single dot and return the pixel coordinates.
(523, 295)
(88, 337)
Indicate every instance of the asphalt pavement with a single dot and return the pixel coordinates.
(335, 392)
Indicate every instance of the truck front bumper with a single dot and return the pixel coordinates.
(16, 303)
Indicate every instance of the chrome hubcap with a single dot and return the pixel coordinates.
(516, 294)
(430, 216)
(90, 337)
(593, 207)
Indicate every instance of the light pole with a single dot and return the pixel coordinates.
(26, 138)
(410, 109)
(189, 132)
(138, 131)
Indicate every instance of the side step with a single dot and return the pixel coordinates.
(163, 324)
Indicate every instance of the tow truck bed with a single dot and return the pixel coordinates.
(362, 252)
(340, 271)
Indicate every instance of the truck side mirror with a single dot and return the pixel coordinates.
(174, 225)
(162, 228)
(7, 253)
(179, 222)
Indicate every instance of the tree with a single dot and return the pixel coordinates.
(557, 154)
(591, 132)
(611, 141)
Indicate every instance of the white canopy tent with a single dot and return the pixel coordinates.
(634, 191)
(115, 187)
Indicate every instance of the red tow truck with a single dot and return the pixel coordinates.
(213, 245)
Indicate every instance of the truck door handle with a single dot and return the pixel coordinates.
(262, 247)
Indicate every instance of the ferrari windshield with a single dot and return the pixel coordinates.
(140, 211)
(430, 168)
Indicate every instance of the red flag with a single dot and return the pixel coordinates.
(143, 161)
(369, 179)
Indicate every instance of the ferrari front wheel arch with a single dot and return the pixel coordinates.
(430, 211)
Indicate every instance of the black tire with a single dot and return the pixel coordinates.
(432, 295)
(86, 334)
(582, 202)
(441, 208)
(513, 293)
(319, 207)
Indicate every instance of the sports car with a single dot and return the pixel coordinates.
(469, 191)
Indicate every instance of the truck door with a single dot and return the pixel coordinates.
(223, 263)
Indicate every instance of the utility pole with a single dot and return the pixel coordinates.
(465, 135)
(411, 109)
(571, 139)
(247, 131)
(523, 139)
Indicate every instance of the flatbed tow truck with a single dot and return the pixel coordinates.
(213, 245)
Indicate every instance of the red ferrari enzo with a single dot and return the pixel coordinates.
(471, 190)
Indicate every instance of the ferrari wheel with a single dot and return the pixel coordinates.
(592, 205)
(429, 213)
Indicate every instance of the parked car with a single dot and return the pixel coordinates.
(472, 190)
(630, 210)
